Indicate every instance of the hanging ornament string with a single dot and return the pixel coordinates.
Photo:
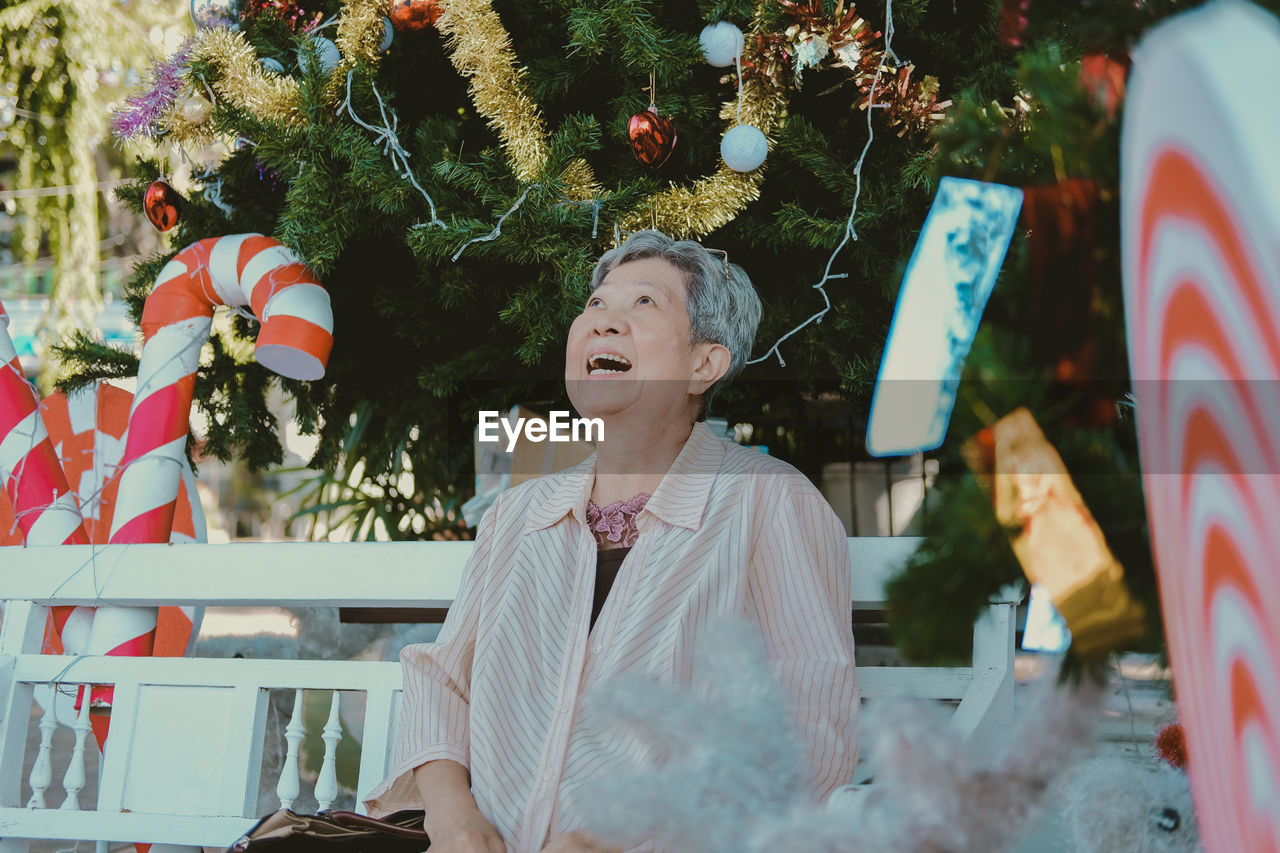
(849, 231)
(737, 65)
(391, 146)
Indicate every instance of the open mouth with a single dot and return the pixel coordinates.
(605, 363)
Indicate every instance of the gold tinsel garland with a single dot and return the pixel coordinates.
(244, 83)
(360, 32)
(241, 81)
(480, 50)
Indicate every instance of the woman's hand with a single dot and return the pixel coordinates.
(463, 831)
(575, 842)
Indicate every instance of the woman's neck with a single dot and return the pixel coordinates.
(634, 456)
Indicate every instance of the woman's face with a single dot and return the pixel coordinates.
(629, 348)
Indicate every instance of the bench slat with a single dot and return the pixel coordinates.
(918, 682)
(214, 672)
(126, 827)
(306, 574)
(879, 681)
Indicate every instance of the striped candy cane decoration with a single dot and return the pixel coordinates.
(87, 430)
(43, 505)
(294, 341)
(1201, 231)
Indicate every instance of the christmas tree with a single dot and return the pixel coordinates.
(452, 168)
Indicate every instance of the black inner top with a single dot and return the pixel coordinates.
(608, 562)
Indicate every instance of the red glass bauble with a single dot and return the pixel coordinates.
(414, 16)
(652, 137)
(1103, 77)
(161, 204)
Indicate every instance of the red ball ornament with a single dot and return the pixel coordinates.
(414, 16)
(161, 204)
(652, 137)
(1171, 745)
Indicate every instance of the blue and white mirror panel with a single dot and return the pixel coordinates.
(945, 289)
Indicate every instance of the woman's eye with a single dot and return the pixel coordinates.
(593, 302)
(644, 300)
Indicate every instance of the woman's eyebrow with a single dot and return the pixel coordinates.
(644, 282)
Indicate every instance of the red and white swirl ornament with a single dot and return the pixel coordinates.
(1201, 237)
(294, 340)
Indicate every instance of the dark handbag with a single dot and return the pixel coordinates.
(326, 831)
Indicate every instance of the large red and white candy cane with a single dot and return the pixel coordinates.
(1201, 227)
(294, 340)
(43, 505)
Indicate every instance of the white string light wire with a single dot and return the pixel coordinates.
(497, 229)
(391, 145)
(849, 231)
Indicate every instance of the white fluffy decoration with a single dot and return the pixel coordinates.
(326, 54)
(1111, 804)
(733, 780)
(744, 148)
(721, 43)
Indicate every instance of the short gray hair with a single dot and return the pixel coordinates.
(723, 305)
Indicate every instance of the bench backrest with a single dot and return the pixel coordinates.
(183, 762)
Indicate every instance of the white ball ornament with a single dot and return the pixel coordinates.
(721, 43)
(215, 13)
(271, 65)
(197, 109)
(744, 148)
(326, 55)
(388, 33)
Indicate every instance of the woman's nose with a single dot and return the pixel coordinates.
(607, 323)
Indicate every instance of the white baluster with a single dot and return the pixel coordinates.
(42, 772)
(287, 788)
(327, 783)
(73, 781)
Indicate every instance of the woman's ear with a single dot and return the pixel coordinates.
(710, 362)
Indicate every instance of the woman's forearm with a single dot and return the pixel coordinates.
(445, 788)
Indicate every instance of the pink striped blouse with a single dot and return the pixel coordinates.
(729, 531)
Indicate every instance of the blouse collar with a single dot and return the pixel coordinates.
(679, 500)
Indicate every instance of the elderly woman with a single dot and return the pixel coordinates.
(615, 565)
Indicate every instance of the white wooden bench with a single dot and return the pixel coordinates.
(183, 761)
